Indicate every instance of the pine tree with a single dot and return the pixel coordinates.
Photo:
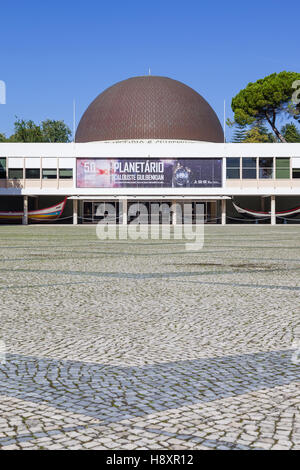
(239, 134)
(291, 133)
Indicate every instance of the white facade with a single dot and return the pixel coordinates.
(63, 156)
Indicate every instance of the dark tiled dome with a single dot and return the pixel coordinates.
(149, 108)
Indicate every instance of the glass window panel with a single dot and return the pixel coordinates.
(15, 173)
(296, 172)
(282, 163)
(249, 162)
(282, 168)
(282, 173)
(50, 173)
(233, 163)
(266, 172)
(66, 173)
(233, 173)
(32, 173)
(249, 173)
(266, 162)
(2, 168)
(266, 167)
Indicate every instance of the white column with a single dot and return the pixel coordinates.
(25, 211)
(223, 212)
(75, 211)
(213, 210)
(174, 213)
(273, 210)
(124, 211)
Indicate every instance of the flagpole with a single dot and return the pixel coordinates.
(224, 126)
(74, 119)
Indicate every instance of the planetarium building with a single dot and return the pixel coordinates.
(149, 140)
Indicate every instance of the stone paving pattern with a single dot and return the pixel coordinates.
(144, 345)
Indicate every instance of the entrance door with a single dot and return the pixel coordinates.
(87, 212)
(138, 212)
(96, 211)
(149, 212)
(193, 212)
(161, 212)
(106, 211)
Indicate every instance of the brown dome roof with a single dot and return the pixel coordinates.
(149, 108)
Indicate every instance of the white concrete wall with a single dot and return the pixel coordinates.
(64, 155)
(148, 149)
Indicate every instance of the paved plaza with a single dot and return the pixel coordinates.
(144, 345)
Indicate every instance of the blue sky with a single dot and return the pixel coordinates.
(55, 51)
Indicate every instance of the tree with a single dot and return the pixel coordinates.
(239, 134)
(2, 138)
(258, 134)
(26, 131)
(47, 131)
(266, 99)
(55, 131)
(291, 133)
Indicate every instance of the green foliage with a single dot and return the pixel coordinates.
(291, 133)
(258, 134)
(239, 134)
(55, 131)
(47, 131)
(261, 102)
(2, 138)
(26, 131)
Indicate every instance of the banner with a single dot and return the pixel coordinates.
(149, 173)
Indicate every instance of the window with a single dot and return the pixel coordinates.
(233, 168)
(296, 172)
(50, 173)
(282, 168)
(33, 173)
(266, 167)
(15, 173)
(2, 168)
(249, 168)
(66, 173)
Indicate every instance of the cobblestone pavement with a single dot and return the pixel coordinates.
(143, 345)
